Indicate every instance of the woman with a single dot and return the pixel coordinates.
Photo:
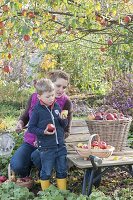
(21, 162)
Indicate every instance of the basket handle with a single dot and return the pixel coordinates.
(112, 110)
(90, 139)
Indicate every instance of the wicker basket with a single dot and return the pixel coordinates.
(19, 181)
(101, 153)
(113, 132)
(28, 183)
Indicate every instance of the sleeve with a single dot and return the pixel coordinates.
(32, 127)
(25, 116)
(68, 106)
(63, 122)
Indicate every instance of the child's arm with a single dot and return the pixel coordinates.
(63, 122)
(32, 127)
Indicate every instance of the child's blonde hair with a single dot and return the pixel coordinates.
(44, 85)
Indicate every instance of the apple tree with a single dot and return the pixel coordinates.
(102, 28)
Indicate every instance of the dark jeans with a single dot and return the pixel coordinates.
(21, 161)
(53, 158)
(36, 159)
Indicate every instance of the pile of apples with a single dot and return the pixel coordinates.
(105, 116)
(94, 145)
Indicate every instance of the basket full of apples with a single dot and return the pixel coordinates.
(95, 147)
(111, 126)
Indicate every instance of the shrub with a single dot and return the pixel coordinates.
(121, 95)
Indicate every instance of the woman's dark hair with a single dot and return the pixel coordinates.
(55, 74)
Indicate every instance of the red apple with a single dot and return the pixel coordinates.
(3, 179)
(127, 19)
(1, 25)
(85, 146)
(115, 115)
(103, 22)
(24, 12)
(95, 143)
(5, 8)
(7, 69)
(121, 116)
(102, 49)
(31, 15)
(50, 127)
(98, 117)
(102, 145)
(26, 38)
(98, 18)
(110, 116)
(110, 42)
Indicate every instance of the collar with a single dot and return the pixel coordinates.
(43, 104)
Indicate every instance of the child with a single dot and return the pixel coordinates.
(50, 142)
(26, 154)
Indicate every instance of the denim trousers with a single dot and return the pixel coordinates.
(54, 158)
(36, 159)
(21, 160)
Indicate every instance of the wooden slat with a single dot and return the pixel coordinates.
(76, 130)
(77, 138)
(79, 122)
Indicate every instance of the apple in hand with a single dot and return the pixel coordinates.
(102, 145)
(50, 127)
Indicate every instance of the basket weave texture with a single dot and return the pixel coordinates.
(113, 132)
(101, 153)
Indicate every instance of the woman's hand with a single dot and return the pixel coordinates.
(64, 114)
(19, 126)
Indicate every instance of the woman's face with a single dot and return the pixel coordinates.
(60, 86)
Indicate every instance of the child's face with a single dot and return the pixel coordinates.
(60, 86)
(47, 98)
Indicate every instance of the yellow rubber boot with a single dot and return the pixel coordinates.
(61, 183)
(45, 184)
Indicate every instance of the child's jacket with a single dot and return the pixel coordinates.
(40, 118)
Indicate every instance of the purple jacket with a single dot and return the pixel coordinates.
(30, 138)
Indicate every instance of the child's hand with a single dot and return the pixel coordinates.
(50, 130)
(64, 114)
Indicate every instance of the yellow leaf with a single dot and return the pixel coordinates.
(81, 20)
(20, 5)
(98, 7)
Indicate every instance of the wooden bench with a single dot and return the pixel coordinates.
(79, 133)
